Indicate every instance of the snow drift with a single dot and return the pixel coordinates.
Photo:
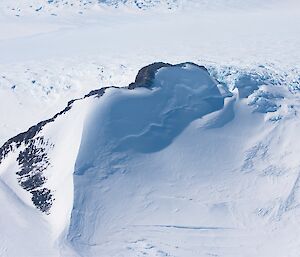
(176, 164)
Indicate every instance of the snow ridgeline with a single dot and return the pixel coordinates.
(33, 157)
(174, 150)
(44, 91)
(33, 160)
(41, 168)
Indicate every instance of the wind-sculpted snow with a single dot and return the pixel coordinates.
(149, 121)
(143, 121)
(181, 96)
(172, 84)
(177, 163)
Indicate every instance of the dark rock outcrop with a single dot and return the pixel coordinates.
(33, 159)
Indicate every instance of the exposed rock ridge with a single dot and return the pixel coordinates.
(33, 160)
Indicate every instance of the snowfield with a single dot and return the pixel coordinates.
(47, 60)
(101, 157)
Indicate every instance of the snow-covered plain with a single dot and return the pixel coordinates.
(199, 165)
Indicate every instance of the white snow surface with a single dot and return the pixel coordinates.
(60, 7)
(47, 60)
(171, 171)
(186, 168)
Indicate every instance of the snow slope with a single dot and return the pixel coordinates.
(191, 165)
(176, 164)
(48, 60)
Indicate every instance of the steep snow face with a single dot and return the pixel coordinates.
(49, 60)
(186, 182)
(37, 165)
(148, 122)
(153, 177)
(175, 164)
(124, 125)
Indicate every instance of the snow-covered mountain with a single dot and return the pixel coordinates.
(175, 164)
(188, 160)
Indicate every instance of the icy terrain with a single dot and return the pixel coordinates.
(60, 7)
(47, 60)
(173, 165)
(187, 160)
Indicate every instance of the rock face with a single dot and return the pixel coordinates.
(33, 147)
(146, 75)
(33, 161)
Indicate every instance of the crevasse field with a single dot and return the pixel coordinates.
(149, 128)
